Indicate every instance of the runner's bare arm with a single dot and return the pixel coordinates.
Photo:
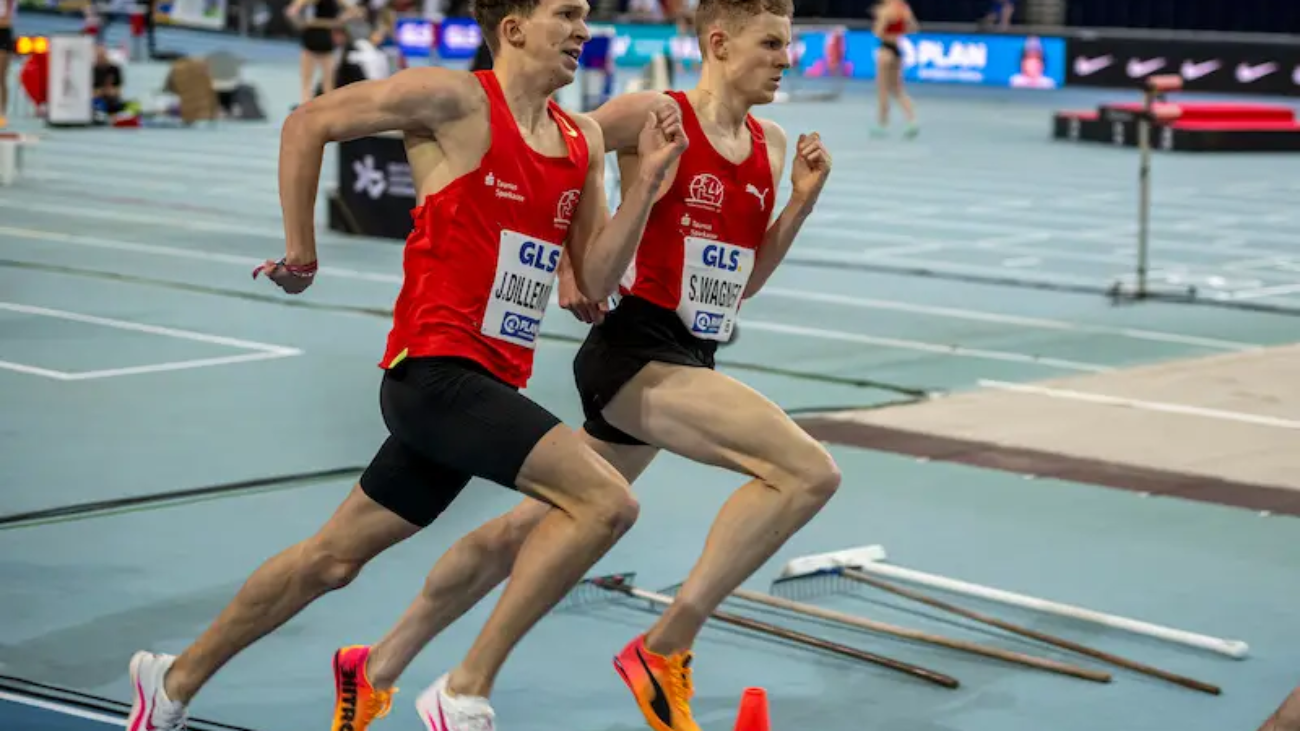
(601, 247)
(812, 164)
(415, 99)
(621, 120)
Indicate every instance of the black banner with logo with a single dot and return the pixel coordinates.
(375, 193)
(1212, 66)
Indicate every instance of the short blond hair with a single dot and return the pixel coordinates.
(731, 14)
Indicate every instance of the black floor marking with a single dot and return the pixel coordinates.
(77, 510)
(88, 702)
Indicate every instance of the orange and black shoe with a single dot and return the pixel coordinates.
(356, 702)
(661, 685)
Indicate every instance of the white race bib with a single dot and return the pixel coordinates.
(521, 289)
(714, 276)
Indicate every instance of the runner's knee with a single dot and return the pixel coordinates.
(811, 471)
(497, 543)
(604, 500)
(326, 568)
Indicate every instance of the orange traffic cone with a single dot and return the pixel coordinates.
(753, 711)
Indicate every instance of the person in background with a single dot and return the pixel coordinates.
(8, 9)
(999, 15)
(324, 17)
(107, 83)
(893, 20)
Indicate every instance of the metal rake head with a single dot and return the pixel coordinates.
(813, 585)
(594, 590)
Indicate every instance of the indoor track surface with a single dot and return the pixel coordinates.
(138, 357)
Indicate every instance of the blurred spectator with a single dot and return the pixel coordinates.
(8, 8)
(999, 15)
(107, 83)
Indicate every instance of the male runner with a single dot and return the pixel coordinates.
(508, 183)
(1287, 715)
(645, 373)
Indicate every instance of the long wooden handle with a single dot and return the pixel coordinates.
(1049, 639)
(789, 634)
(889, 629)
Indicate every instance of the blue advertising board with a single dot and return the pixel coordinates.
(1030, 62)
(458, 38)
(636, 44)
(415, 36)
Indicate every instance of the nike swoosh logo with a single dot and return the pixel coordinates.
(1247, 74)
(1088, 66)
(1193, 71)
(1138, 69)
(660, 702)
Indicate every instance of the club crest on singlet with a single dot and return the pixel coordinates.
(521, 289)
(714, 276)
(705, 191)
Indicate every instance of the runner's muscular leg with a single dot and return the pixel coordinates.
(474, 566)
(711, 418)
(280, 588)
(593, 509)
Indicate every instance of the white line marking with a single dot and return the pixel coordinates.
(968, 314)
(180, 365)
(263, 350)
(1142, 404)
(1266, 292)
(151, 329)
(60, 708)
(34, 371)
(952, 350)
(245, 261)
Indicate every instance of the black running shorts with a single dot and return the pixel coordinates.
(449, 420)
(634, 333)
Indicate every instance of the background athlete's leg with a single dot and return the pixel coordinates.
(594, 508)
(472, 568)
(710, 418)
(280, 588)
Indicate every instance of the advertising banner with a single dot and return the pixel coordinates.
(196, 13)
(458, 38)
(415, 37)
(72, 65)
(1028, 62)
(636, 44)
(1234, 68)
(375, 185)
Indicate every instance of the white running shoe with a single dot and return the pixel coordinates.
(151, 709)
(442, 711)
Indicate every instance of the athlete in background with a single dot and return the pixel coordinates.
(8, 9)
(894, 19)
(646, 372)
(508, 183)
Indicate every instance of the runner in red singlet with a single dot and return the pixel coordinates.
(894, 19)
(510, 186)
(646, 371)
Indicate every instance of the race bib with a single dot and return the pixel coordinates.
(521, 289)
(714, 276)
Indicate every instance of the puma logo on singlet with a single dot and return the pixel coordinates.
(762, 197)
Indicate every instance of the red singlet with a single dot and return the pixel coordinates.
(701, 237)
(480, 263)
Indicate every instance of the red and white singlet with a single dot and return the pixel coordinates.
(700, 240)
(480, 263)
